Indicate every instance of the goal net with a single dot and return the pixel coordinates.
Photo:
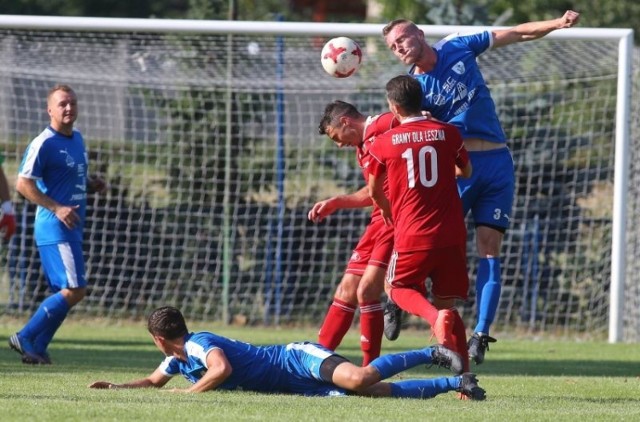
(207, 135)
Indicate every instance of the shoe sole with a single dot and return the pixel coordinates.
(32, 359)
(393, 335)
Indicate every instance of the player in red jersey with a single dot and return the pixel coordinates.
(418, 161)
(363, 281)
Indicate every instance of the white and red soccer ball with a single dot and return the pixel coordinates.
(341, 57)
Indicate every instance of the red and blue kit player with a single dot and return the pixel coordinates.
(363, 281)
(455, 91)
(418, 159)
(211, 362)
(54, 175)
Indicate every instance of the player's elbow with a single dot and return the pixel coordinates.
(21, 185)
(466, 171)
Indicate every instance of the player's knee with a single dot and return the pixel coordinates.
(347, 289)
(369, 293)
(371, 287)
(346, 294)
(357, 380)
(73, 296)
(489, 242)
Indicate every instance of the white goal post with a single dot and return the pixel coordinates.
(207, 132)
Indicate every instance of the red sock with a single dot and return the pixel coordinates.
(371, 328)
(336, 324)
(460, 339)
(415, 303)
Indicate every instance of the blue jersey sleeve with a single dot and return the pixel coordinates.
(478, 42)
(455, 90)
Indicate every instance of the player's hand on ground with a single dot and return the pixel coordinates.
(68, 215)
(569, 19)
(103, 385)
(320, 210)
(8, 226)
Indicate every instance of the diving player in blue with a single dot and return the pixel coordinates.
(54, 175)
(455, 92)
(210, 362)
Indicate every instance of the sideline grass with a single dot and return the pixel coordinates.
(525, 381)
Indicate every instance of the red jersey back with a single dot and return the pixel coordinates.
(373, 128)
(419, 157)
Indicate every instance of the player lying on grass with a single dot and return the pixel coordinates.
(211, 362)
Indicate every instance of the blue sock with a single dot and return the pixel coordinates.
(487, 292)
(389, 365)
(45, 322)
(424, 388)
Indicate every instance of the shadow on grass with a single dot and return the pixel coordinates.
(531, 367)
(142, 356)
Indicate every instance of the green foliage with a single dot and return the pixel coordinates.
(594, 13)
(208, 9)
(102, 8)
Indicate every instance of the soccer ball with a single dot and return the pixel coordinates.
(341, 57)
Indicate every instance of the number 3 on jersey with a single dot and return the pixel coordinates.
(427, 160)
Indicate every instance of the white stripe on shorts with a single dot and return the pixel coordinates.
(69, 264)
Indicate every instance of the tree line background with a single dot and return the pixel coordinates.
(595, 13)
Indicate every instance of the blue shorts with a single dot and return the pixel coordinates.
(488, 193)
(63, 265)
(303, 361)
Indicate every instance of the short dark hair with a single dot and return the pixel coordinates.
(167, 322)
(388, 27)
(406, 92)
(333, 112)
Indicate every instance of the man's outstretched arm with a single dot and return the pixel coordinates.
(157, 379)
(533, 30)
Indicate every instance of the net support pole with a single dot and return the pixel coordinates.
(620, 186)
(280, 174)
(226, 218)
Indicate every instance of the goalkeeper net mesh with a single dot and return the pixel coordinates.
(209, 144)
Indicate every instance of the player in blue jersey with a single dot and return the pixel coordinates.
(54, 176)
(210, 362)
(455, 92)
(8, 219)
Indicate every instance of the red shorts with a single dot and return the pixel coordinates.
(447, 268)
(374, 248)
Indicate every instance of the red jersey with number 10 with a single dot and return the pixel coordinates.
(373, 128)
(419, 157)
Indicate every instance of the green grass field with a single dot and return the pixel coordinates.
(525, 380)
